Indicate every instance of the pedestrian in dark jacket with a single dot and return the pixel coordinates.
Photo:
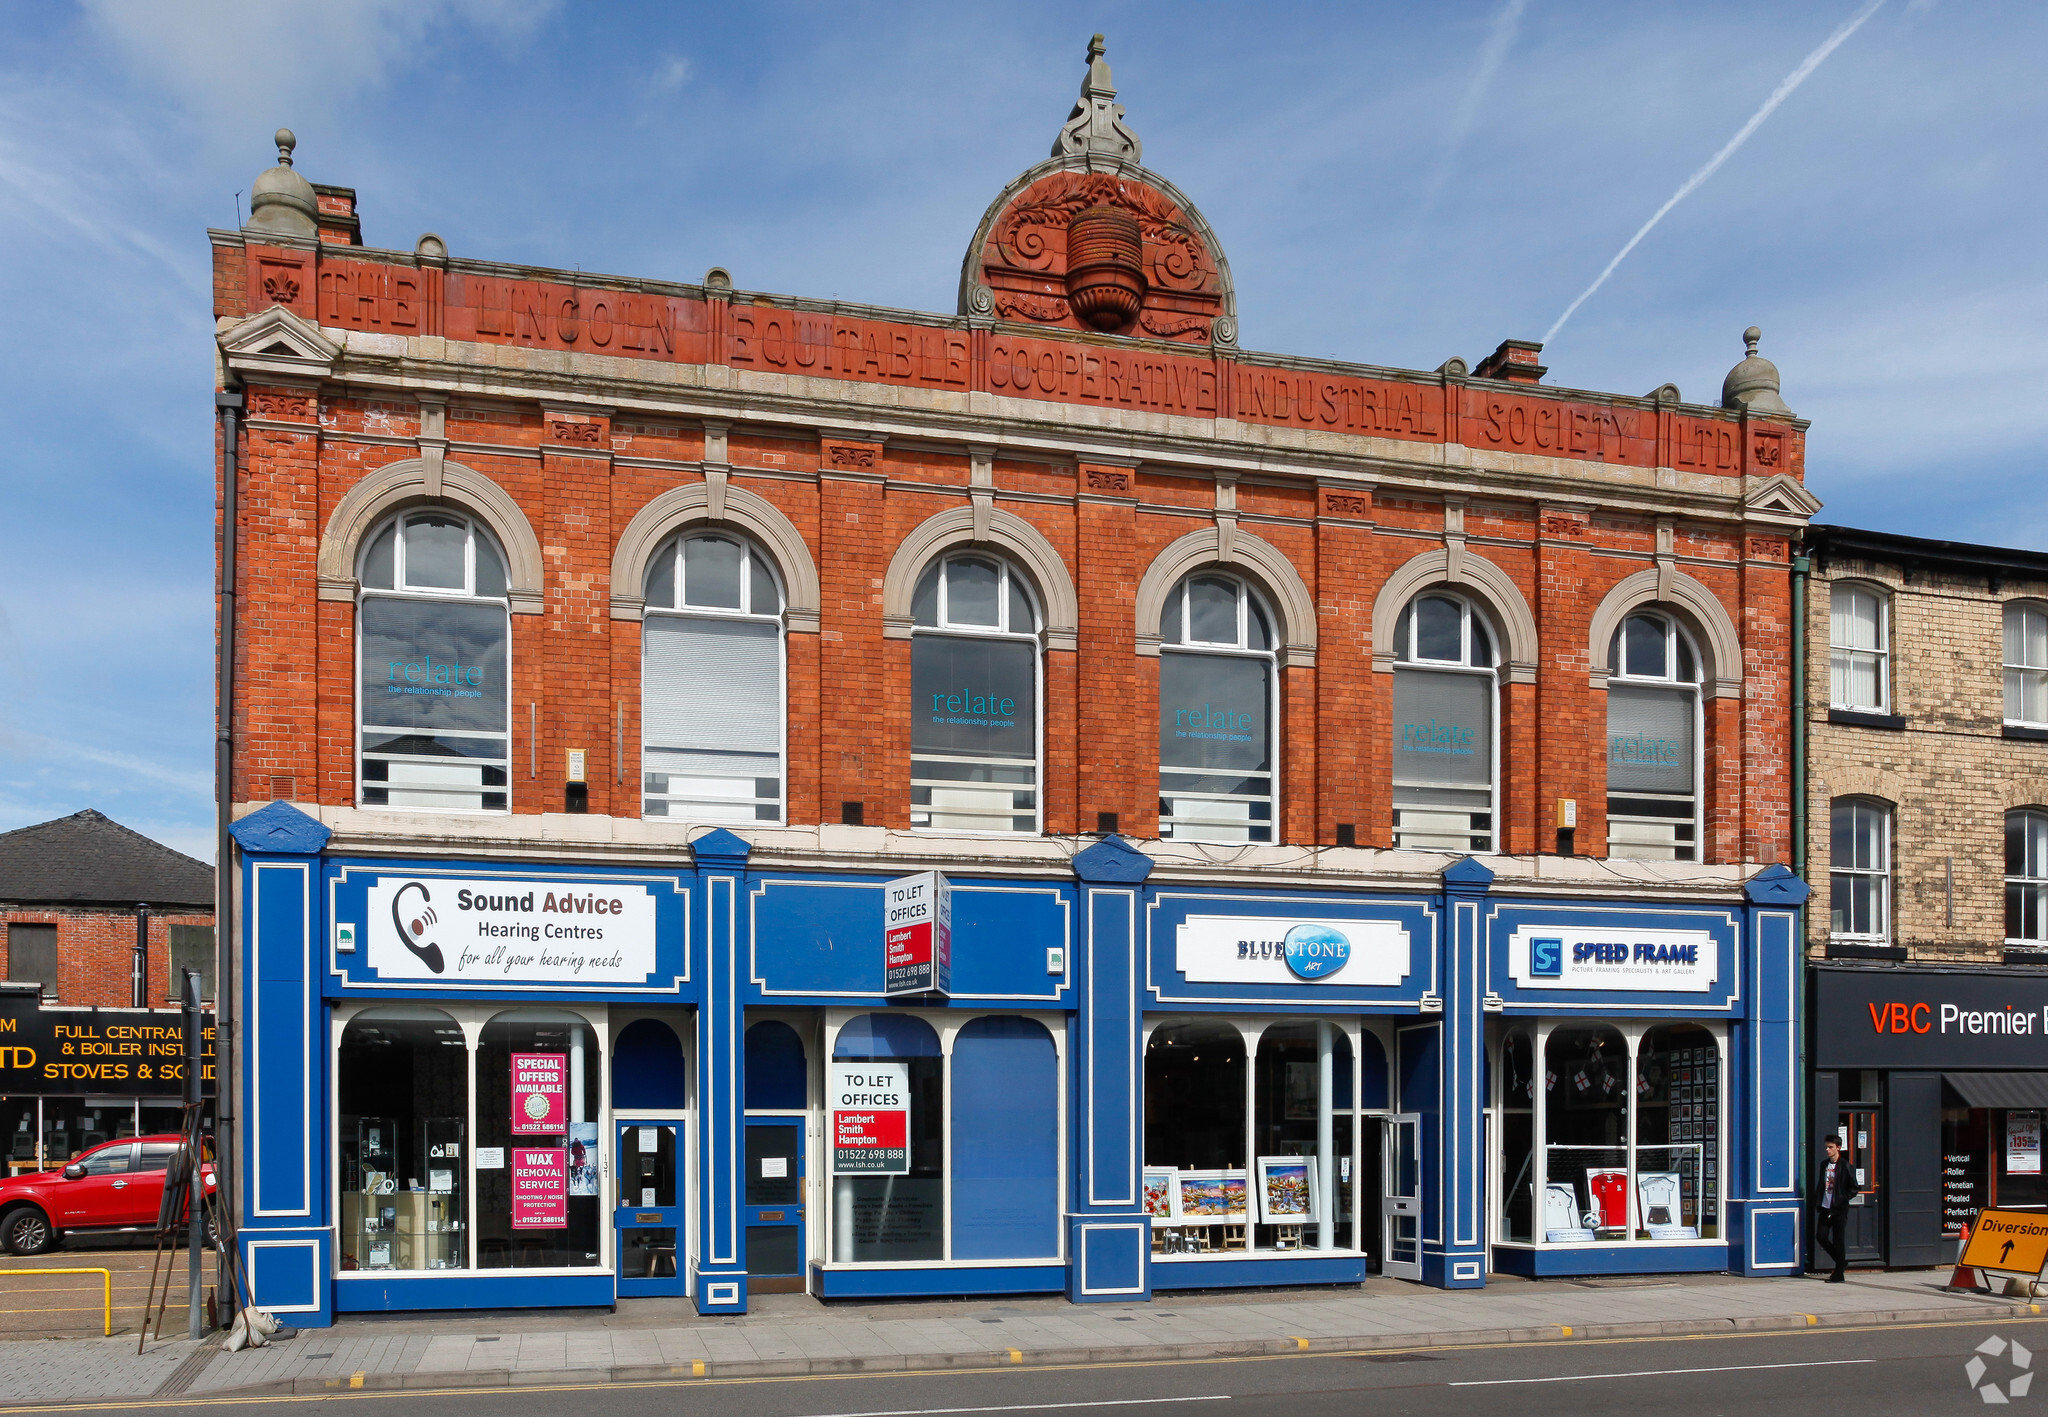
(1834, 1185)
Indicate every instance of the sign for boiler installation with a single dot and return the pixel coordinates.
(917, 935)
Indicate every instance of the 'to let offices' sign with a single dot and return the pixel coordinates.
(917, 938)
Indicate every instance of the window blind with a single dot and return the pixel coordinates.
(1443, 728)
(712, 686)
(1649, 739)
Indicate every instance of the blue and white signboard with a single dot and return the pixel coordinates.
(550, 930)
(1613, 958)
(1259, 949)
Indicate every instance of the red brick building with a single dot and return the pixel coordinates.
(72, 895)
(542, 570)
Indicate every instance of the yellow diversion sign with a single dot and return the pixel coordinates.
(2009, 1241)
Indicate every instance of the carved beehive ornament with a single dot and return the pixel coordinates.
(1091, 240)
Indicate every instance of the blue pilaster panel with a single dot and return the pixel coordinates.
(1454, 1255)
(1109, 1236)
(718, 1282)
(1767, 1210)
(283, 1228)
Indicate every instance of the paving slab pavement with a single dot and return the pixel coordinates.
(793, 1333)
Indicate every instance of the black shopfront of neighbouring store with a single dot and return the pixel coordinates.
(1936, 1081)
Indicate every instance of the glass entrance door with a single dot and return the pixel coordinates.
(649, 1215)
(775, 1205)
(1401, 1204)
(1863, 1231)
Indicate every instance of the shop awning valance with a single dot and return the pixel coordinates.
(2000, 1089)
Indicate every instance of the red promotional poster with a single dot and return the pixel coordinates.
(871, 1118)
(540, 1188)
(540, 1094)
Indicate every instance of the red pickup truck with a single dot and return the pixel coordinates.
(114, 1187)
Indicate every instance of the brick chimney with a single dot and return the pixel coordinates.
(1515, 361)
(339, 224)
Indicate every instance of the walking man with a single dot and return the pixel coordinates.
(1833, 1188)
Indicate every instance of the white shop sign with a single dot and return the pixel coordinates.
(552, 931)
(1260, 949)
(1614, 957)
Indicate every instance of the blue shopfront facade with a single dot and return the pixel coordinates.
(492, 1083)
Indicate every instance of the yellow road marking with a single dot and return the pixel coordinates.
(1812, 1320)
(1565, 1329)
(355, 1379)
(1016, 1355)
(697, 1367)
(1300, 1343)
(500, 1390)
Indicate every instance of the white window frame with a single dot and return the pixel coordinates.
(1675, 638)
(1407, 657)
(465, 596)
(1007, 577)
(1881, 873)
(1185, 644)
(2036, 884)
(672, 550)
(2019, 672)
(1841, 655)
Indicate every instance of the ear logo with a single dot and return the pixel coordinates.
(1546, 958)
(414, 931)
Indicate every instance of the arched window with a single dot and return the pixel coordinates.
(1444, 701)
(1217, 711)
(1653, 760)
(711, 722)
(1859, 649)
(2026, 664)
(974, 672)
(1860, 873)
(433, 666)
(2026, 876)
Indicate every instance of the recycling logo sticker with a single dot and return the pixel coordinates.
(2014, 1375)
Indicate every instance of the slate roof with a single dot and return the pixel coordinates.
(86, 859)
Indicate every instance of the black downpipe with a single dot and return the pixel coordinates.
(138, 969)
(226, 405)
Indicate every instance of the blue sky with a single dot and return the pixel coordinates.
(1393, 183)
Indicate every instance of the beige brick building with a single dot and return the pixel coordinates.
(1926, 750)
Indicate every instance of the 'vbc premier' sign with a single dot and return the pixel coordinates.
(917, 940)
(871, 1119)
(1906, 1018)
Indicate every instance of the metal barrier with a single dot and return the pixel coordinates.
(106, 1277)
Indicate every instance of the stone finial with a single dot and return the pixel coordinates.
(1753, 384)
(282, 201)
(1097, 123)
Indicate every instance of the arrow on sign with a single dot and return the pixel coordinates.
(2004, 1252)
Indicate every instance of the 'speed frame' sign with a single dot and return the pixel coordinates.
(917, 935)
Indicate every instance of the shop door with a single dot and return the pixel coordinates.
(775, 1205)
(1863, 1232)
(1401, 1203)
(649, 1215)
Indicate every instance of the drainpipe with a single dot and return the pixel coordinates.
(226, 405)
(138, 968)
(1802, 567)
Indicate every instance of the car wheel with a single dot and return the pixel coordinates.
(27, 1231)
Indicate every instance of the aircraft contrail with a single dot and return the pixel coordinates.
(1778, 95)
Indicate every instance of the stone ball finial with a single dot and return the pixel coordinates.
(1753, 384)
(280, 200)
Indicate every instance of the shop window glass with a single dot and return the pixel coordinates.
(403, 1085)
(882, 1218)
(1585, 1143)
(2026, 876)
(647, 1066)
(1965, 1162)
(1289, 1106)
(1857, 650)
(776, 1076)
(1195, 1129)
(1217, 713)
(32, 956)
(540, 1209)
(1652, 742)
(2026, 664)
(18, 1119)
(1678, 1134)
(1518, 1136)
(1006, 1184)
(1859, 876)
(711, 717)
(433, 646)
(973, 698)
(1444, 706)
